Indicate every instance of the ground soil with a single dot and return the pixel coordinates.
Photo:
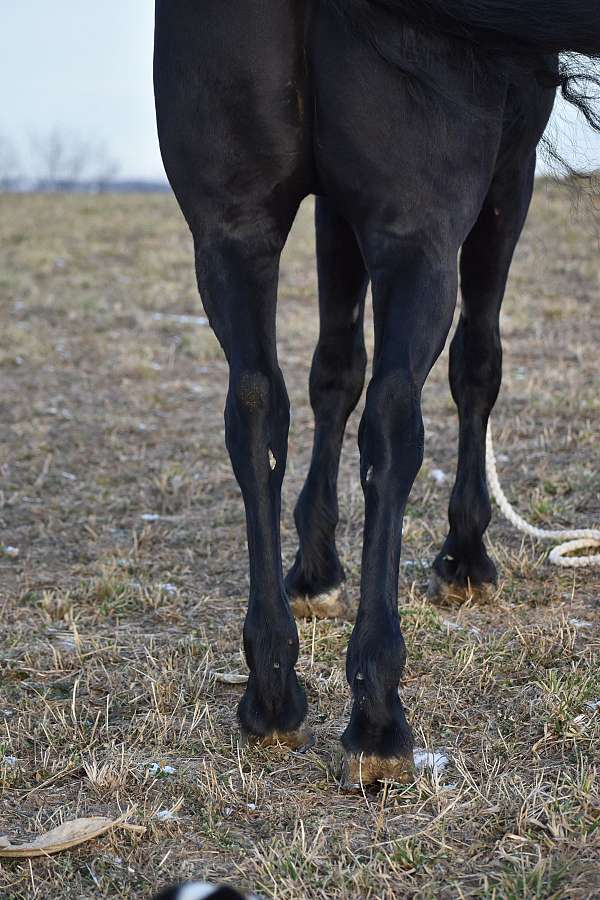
(123, 579)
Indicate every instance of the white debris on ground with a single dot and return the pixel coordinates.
(159, 769)
(9, 761)
(453, 626)
(229, 677)
(150, 517)
(580, 623)
(438, 476)
(7, 550)
(180, 319)
(165, 814)
(169, 588)
(435, 760)
(417, 563)
(593, 704)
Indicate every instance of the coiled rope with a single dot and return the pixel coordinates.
(577, 539)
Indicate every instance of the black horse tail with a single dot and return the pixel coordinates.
(555, 41)
(513, 26)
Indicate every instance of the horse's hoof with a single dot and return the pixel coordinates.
(445, 593)
(334, 604)
(302, 738)
(360, 770)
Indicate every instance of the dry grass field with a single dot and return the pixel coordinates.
(127, 592)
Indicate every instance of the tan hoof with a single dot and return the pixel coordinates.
(334, 604)
(360, 770)
(440, 592)
(301, 739)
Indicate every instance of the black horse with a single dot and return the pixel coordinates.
(415, 123)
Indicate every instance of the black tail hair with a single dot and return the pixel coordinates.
(516, 26)
(523, 37)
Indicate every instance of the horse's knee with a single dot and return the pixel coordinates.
(257, 417)
(392, 397)
(391, 430)
(255, 393)
(337, 375)
(251, 393)
(476, 365)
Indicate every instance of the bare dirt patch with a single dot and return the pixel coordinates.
(124, 590)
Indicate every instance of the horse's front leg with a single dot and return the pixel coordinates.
(414, 292)
(237, 277)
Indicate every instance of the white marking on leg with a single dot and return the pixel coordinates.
(196, 890)
(272, 460)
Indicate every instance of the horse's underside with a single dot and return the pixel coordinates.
(259, 104)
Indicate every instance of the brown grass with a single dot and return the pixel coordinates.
(112, 624)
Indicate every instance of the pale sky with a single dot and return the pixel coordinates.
(85, 68)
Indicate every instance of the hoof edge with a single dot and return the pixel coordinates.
(334, 604)
(445, 593)
(361, 770)
(300, 739)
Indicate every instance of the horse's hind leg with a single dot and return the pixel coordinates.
(315, 581)
(229, 84)
(238, 276)
(463, 567)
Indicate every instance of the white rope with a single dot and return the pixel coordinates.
(578, 539)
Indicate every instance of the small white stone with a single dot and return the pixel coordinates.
(180, 319)
(438, 476)
(418, 563)
(157, 769)
(435, 760)
(12, 552)
(165, 814)
(452, 626)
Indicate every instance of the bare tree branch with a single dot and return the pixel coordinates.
(62, 160)
(9, 163)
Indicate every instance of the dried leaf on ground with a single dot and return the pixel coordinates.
(63, 837)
